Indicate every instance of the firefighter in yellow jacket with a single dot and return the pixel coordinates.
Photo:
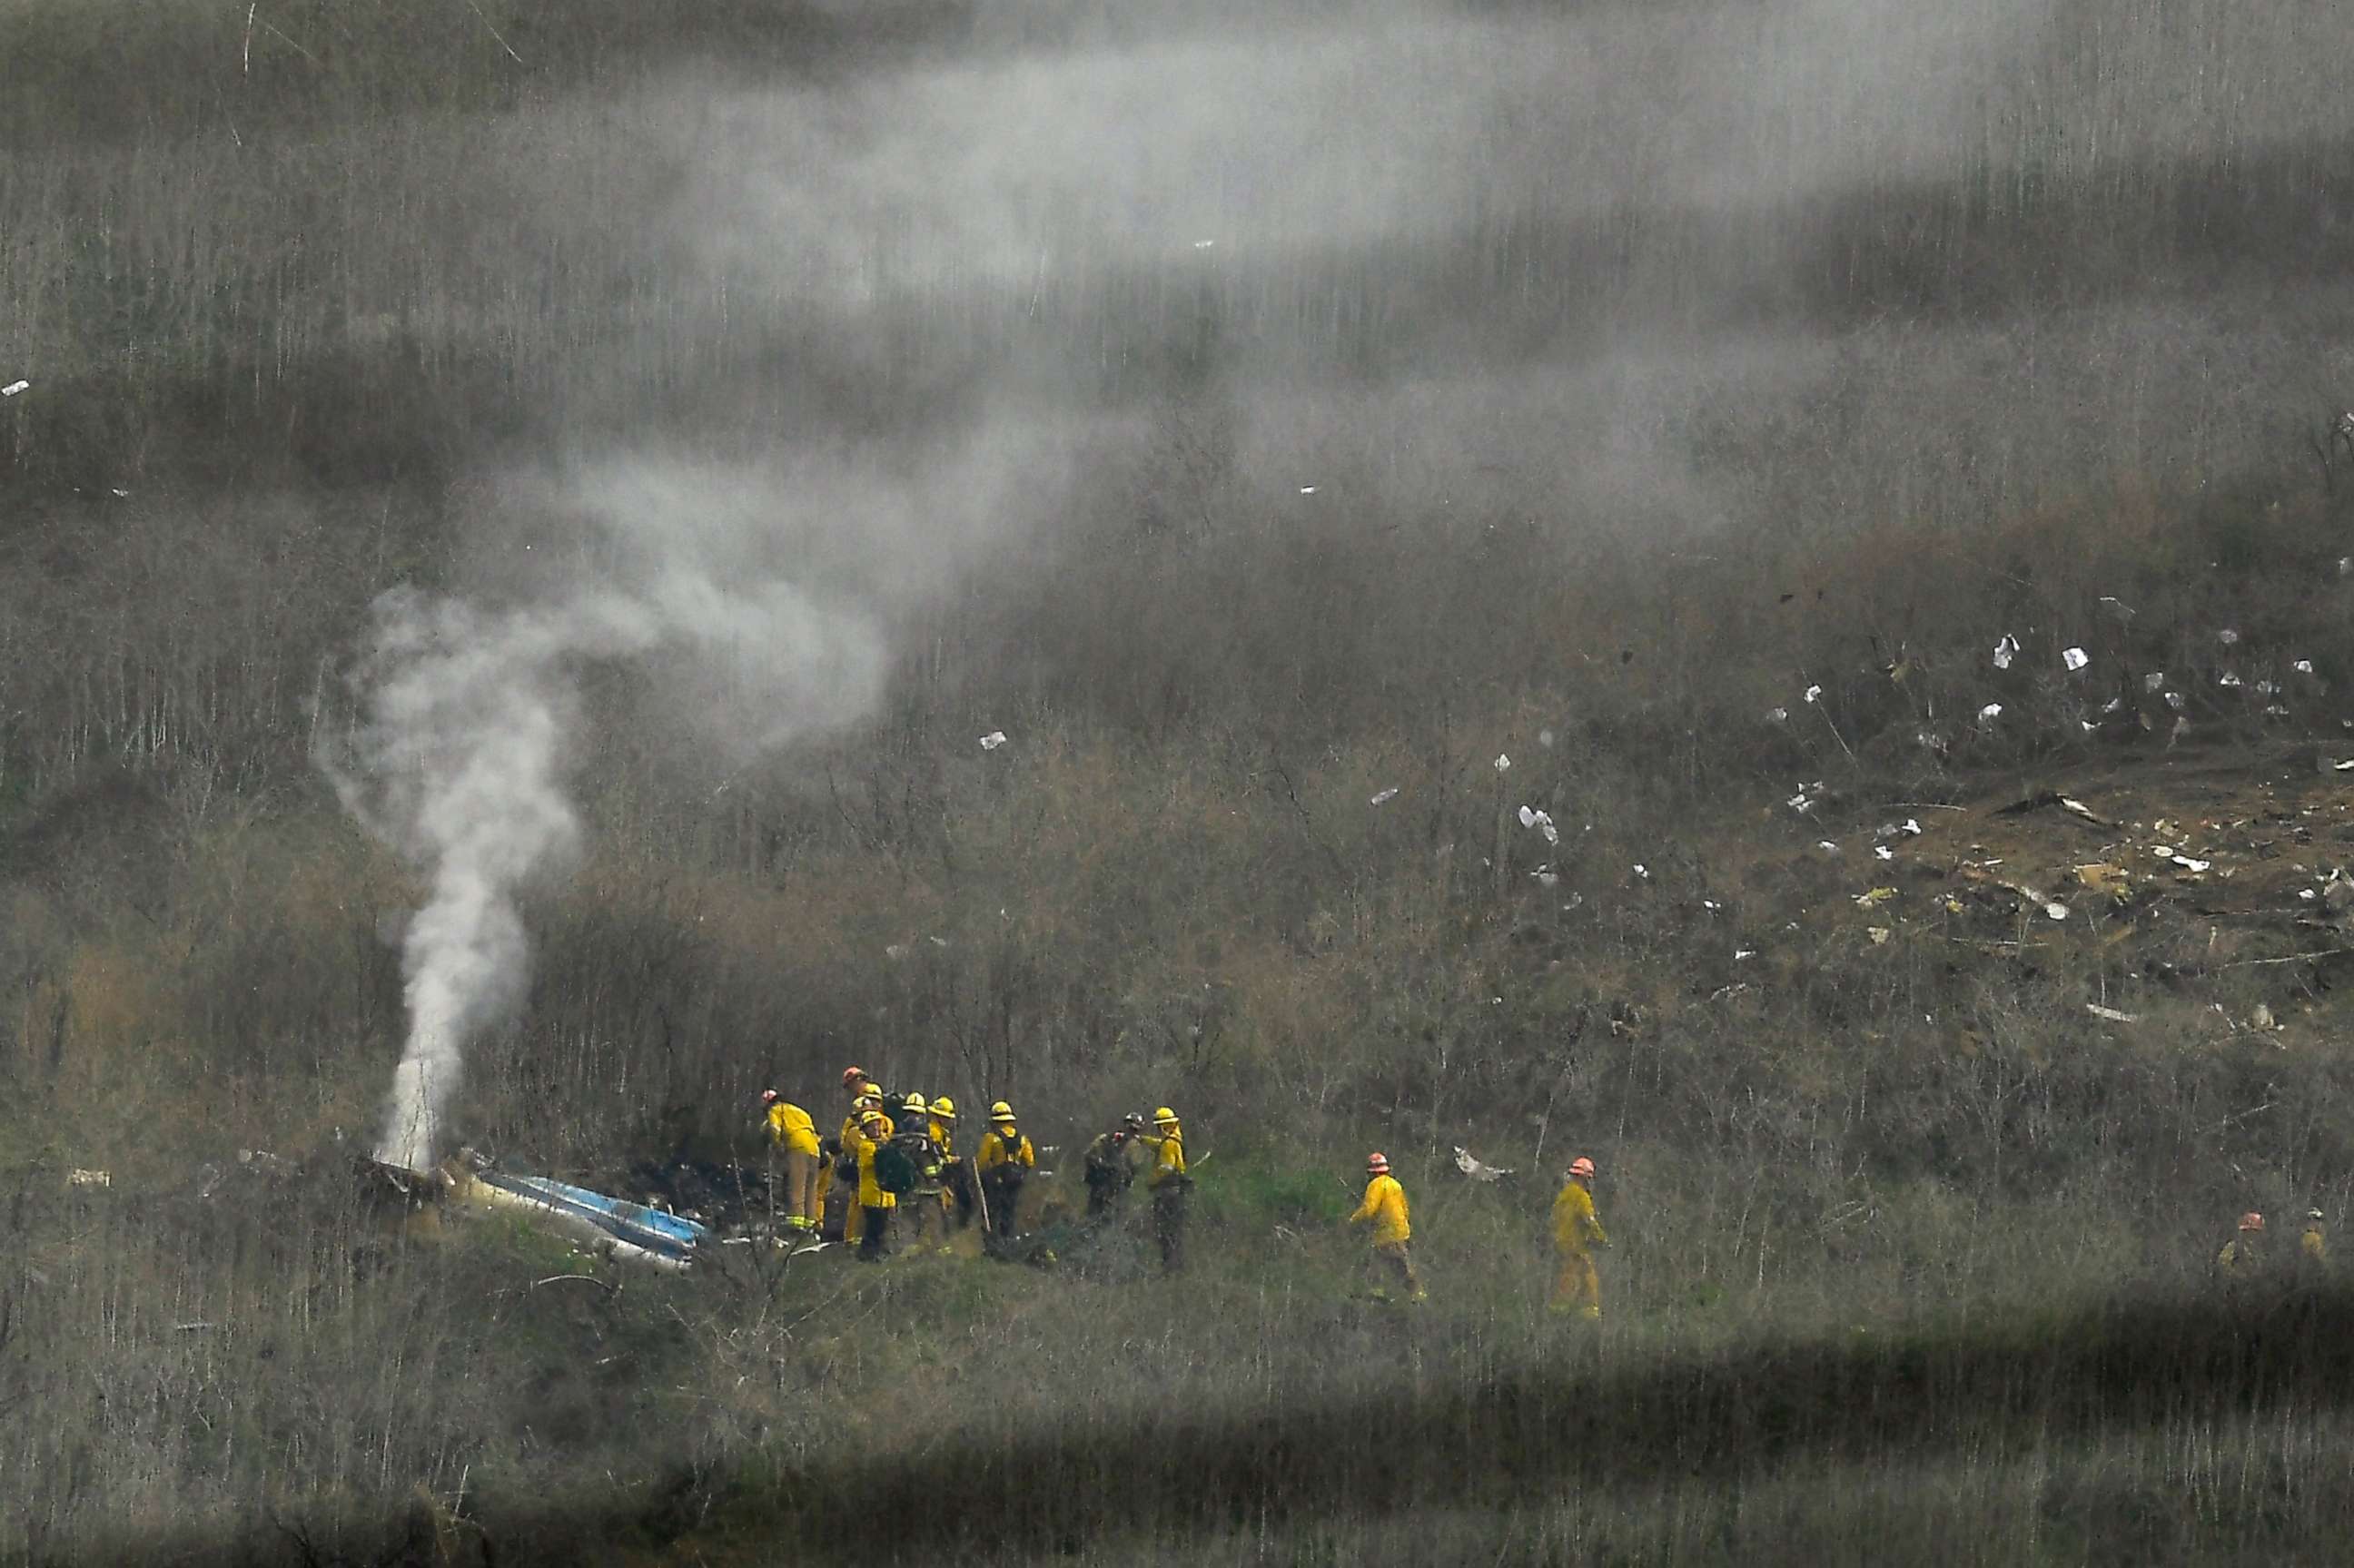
(854, 1213)
(1576, 1231)
(1385, 1212)
(1168, 1183)
(1005, 1162)
(957, 1174)
(874, 1130)
(792, 1145)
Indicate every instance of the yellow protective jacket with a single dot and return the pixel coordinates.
(1384, 1209)
(943, 1139)
(1167, 1155)
(996, 1151)
(1575, 1226)
(790, 1128)
(851, 1133)
(2312, 1247)
(870, 1194)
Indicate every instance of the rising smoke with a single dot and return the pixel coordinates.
(472, 729)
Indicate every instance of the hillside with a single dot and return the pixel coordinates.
(1758, 590)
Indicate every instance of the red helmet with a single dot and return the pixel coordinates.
(851, 1075)
(1582, 1168)
(1377, 1164)
(2252, 1221)
(767, 1097)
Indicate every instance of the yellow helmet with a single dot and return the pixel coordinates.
(1001, 1111)
(944, 1109)
(865, 1103)
(871, 1118)
(914, 1106)
(1164, 1116)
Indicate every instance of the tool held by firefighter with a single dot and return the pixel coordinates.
(1384, 1211)
(1005, 1162)
(793, 1154)
(1576, 1232)
(1110, 1166)
(1168, 1184)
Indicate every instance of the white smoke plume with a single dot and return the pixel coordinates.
(470, 730)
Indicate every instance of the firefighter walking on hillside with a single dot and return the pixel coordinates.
(1576, 1231)
(2243, 1257)
(1168, 1183)
(1384, 1210)
(1005, 1162)
(793, 1153)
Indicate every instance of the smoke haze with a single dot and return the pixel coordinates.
(1590, 267)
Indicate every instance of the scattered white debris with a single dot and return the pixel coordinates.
(2267, 688)
(1547, 878)
(2006, 648)
(1502, 762)
(1777, 715)
(2112, 704)
(938, 941)
(2189, 864)
(2227, 679)
(2075, 658)
(2174, 701)
(2111, 1013)
(1477, 1170)
(1541, 823)
(2154, 681)
(1925, 737)
(1882, 852)
(1544, 739)
(1643, 872)
(1203, 244)
(1879, 935)
(1710, 904)
(2056, 911)
(1992, 710)
(2275, 710)
(1739, 954)
(1814, 693)
(77, 1178)
(1385, 797)
(2227, 637)
(2307, 894)
(992, 740)
(2302, 667)
(2124, 612)
(14, 387)
(1827, 845)
(1306, 490)
(119, 495)
(1799, 803)
(895, 952)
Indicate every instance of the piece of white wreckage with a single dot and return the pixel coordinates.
(1477, 1170)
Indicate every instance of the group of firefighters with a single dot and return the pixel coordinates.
(881, 1169)
(2244, 1256)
